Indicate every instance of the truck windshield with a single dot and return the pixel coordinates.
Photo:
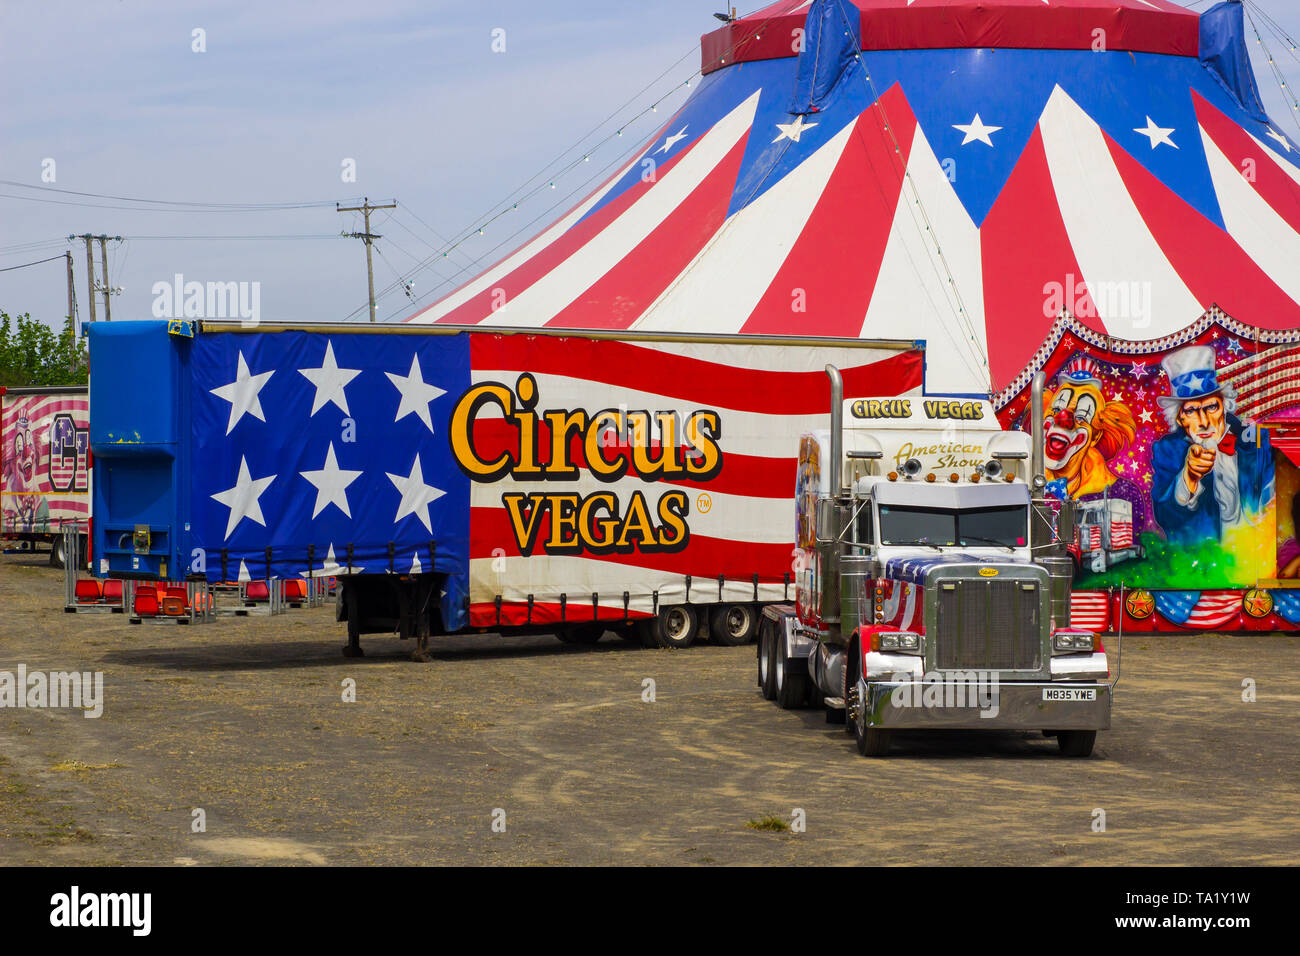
(1001, 527)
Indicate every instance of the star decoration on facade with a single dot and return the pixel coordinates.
(331, 483)
(416, 495)
(1235, 347)
(1139, 369)
(416, 394)
(242, 394)
(1156, 134)
(1282, 140)
(672, 140)
(793, 131)
(242, 500)
(976, 130)
(330, 380)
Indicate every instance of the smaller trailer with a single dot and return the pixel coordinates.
(1103, 534)
(45, 473)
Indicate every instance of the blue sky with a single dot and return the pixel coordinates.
(287, 91)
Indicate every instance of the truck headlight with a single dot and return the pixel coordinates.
(1073, 642)
(898, 642)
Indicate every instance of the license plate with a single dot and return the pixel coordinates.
(1069, 693)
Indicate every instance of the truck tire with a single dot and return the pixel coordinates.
(871, 741)
(647, 631)
(1076, 743)
(766, 674)
(678, 626)
(791, 685)
(732, 625)
(57, 557)
(583, 634)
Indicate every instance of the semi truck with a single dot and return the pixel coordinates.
(933, 589)
(468, 480)
(45, 467)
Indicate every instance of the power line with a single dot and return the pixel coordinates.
(189, 205)
(36, 263)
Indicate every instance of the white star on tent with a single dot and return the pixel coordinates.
(416, 395)
(242, 499)
(331, 483)
(416, 495)
(416, 566)
(329, 380)
(672, 141)
(243, 577)
(1156, 134)
(1273, 134)
(793, 130)
(242, 394)
(976, 130)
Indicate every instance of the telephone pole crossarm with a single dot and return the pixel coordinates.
(368, 237)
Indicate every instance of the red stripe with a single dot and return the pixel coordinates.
(519, 614)
(1215, 269)
(749, 476)
(836, 260)
(619, 297)
(1018, 262)
(703, 558)
(640, 368)
(479, 307)
(1274, 186)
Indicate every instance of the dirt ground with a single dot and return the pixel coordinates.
(245, 720)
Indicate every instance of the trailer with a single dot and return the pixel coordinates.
(480, 480)
(45, 467)
(934, 588)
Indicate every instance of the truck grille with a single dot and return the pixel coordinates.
(988, 625)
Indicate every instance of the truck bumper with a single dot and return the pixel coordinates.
(1054, 705)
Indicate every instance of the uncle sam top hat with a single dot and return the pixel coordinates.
(1191, 375)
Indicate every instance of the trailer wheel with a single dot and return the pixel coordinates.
(57, 557)
(647, 631)
(766, 676)
(586, 634)
(1076, 743)
(678, 626)
(791, 686)
(732, 625)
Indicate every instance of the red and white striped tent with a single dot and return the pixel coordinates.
(956, 171)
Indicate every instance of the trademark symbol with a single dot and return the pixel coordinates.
(703, 502)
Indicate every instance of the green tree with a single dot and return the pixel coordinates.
(32, 353)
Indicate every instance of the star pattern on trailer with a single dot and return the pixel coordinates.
(243, 498)
(416, 393)
(330, 381)
(331, 483)
(416, 495)
(242, 394)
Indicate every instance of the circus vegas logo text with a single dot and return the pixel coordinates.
(559, 445)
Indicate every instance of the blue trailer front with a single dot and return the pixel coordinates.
(281, 454)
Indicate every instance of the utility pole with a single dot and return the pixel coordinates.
(367, 237)
(103, 260)
(72, 297)
(90, 273)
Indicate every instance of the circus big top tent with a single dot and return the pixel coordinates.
(957, 171)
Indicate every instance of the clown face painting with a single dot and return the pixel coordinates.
(1083, 431)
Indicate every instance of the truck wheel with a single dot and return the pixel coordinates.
(732, 625)
(678, 626)
(766, 675)
(647, 631)
(586, 634)
(57, 557)
(1076, 743)
(791, 686)
(871, 741)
